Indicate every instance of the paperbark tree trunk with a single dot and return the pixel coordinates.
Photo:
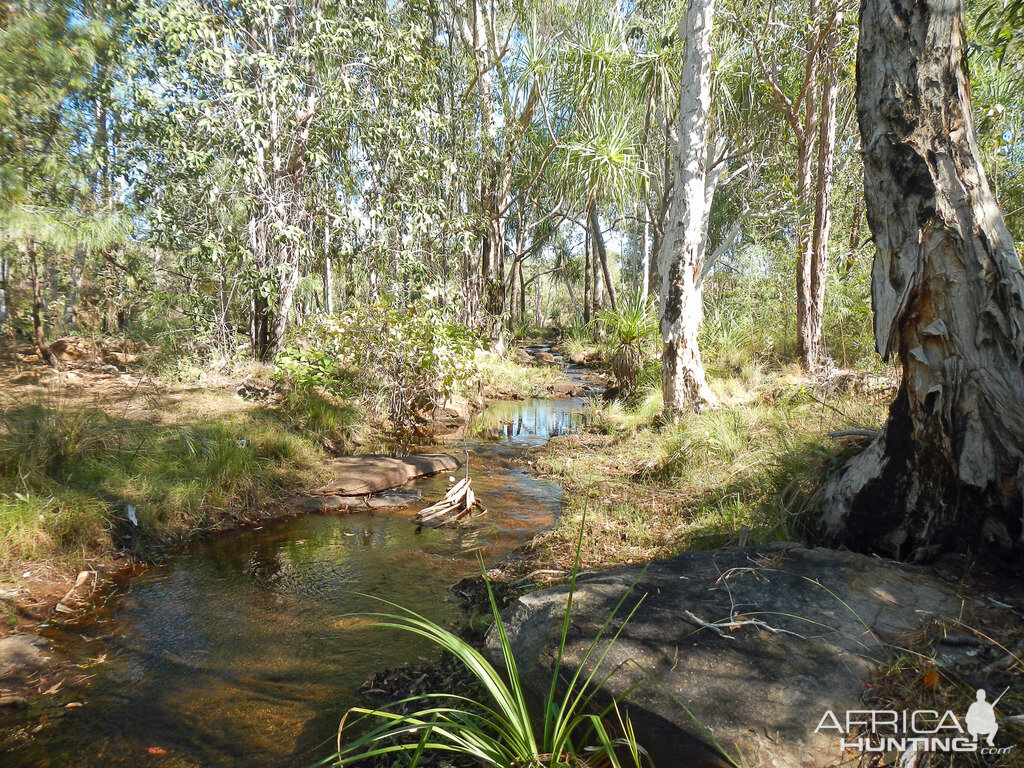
(948, 295)
(684, 382)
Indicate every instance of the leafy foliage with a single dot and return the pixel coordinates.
(407, 358)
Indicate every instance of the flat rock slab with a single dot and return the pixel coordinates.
(22, 656)
(364, 475)
(759, 691)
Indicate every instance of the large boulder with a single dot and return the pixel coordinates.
(757, 643)
(363, 475)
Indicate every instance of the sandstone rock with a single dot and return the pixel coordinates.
(545, 357)
(397, 499)
(72, 350)
(368, 474)
(578, 358)
(22, 656)
(567, 388)
(757, 689)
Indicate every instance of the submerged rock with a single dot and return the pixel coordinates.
(394, 499)
(368, 474)
(22, 656)
(756, 642)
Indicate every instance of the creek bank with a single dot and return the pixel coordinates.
(745, 648)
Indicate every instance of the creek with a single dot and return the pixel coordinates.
(242, 651)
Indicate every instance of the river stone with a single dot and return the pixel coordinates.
(759, 693)
(363, 475)
(545, 357)
(23, 655)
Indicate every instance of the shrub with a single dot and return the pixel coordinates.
(405, 358)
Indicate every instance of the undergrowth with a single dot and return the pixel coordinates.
(742, 474)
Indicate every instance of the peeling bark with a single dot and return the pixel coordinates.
(679, 259)
(948, 295)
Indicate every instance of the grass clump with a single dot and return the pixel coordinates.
(499, 731)
(318, 414)
(67, 474)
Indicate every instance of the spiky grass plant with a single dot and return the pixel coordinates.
(574, 732)
(632, 324)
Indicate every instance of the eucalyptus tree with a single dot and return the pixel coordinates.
(948, 296)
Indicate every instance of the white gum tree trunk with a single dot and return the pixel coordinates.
(679, 259)
(948, 294)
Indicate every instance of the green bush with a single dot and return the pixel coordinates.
(404, 358)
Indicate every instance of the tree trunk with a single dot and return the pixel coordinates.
(602, 254)
(37, 304)
(812, 333)
(684, 382)
(948, 295)
(4, 303)
(808, 316)
(586, 276)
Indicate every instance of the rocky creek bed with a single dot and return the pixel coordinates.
(246, 650)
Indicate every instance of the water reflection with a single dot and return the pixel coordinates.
(242, 653)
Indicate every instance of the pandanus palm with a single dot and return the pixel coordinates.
(632, 324)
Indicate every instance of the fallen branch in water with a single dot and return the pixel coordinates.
(456, 504)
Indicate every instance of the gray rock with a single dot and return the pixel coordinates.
(22, 656)
(759, 691)
(394, 499)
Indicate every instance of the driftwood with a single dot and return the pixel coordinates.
(456, 504)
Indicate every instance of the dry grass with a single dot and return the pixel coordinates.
(738, 474)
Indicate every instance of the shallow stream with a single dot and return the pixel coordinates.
(238, 652)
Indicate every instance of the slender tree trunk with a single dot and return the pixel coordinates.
(813, 332)
(37, 304)
(948, 295)
(684, 382)
(4, 278)
(586, 277)
(645, 256)
(522, 291)
(602, 254)
(328, 286)
(807, 315)
(856, 221)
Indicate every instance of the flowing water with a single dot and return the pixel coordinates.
(241, 652)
